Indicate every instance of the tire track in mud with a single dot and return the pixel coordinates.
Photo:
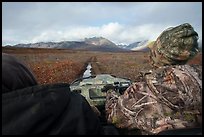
(95, 66)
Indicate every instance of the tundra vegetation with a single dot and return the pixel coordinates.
(64, 65)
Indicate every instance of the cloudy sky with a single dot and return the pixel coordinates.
(120, 22)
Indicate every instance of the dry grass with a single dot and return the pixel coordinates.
(57, 65)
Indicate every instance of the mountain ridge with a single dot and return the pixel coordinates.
(92, 44)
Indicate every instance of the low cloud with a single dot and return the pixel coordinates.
(118, 33)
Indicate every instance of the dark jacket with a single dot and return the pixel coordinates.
(47, 109)
(15, 74)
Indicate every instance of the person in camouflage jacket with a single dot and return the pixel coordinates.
(169, 97)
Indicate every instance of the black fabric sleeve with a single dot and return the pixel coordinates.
(15, 74)
(47, 109)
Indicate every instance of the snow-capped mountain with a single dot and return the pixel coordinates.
(136, 46)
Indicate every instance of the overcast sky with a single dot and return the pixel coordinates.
(120, 22)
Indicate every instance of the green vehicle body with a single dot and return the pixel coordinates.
(94, 88)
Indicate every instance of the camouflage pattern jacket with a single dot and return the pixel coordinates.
(167, 98)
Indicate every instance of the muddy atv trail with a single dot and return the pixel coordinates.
(95, 66)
